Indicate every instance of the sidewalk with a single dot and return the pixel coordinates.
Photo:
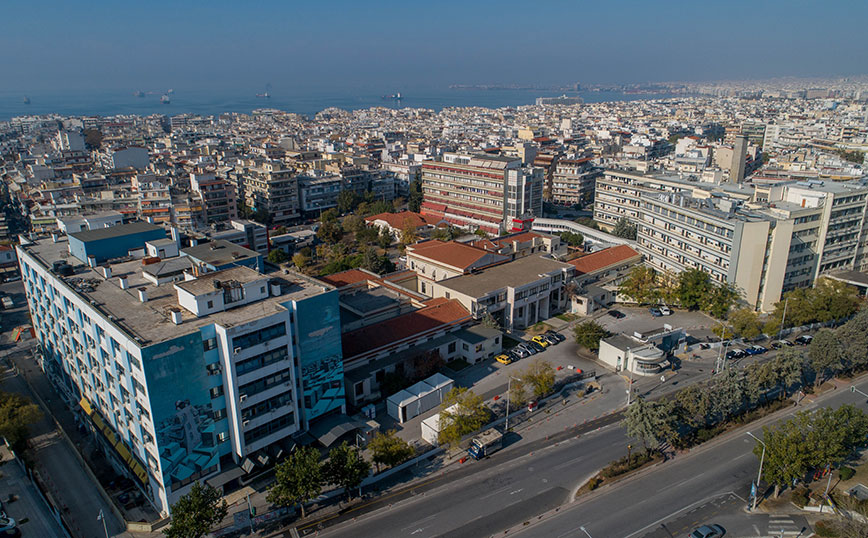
(33, 515)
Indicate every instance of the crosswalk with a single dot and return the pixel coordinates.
(783, 526)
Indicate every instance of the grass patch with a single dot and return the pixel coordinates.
(619, 468)
(566, 316)
(509, 342)
(457, 365)
(538, 328)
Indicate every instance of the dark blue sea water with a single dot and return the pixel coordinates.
(207, 102)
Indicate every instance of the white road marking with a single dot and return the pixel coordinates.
(516, 491)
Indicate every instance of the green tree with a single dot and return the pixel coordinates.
(353, 223)
(381, 206)
(641, 285)
(444, 233)
(469, 415)
(721, 299)
(540, 377)
(785, 457)
(368, 235)
(745, 323)
(388, 449)
(487, 320)
(572, 239)
(347, 201)
(297, 479)
(853, 337)
(517, 393)
(589, 333)
(825, 354)
(384, 240)
(376, 263)
(481, 233)
(694, 286)
(195, 513)
(408, 233)
(415, 201)
(649, 422)
(346, 467)
(833, 300)
(300, 260)
(588, 221)
(624, 228)
(728, 393)
(17, 413)
(694, 404)
(787, 369)
(277, 256)
(330, 232)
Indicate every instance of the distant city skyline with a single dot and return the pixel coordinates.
(345, 46)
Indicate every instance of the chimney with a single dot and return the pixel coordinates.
(106, 272)
(54, 238)
(150, 220)
(275, 289)
(176, 317)
(176, 237)
(143, 295)
(91, 262)
(122, 282)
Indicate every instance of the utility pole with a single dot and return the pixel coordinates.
(783, 318)
(760, 473)
(508, 398)
(101, 517)
(629, 386)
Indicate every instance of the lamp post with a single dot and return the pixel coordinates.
(760, 473)
(854, 389)
(508, 400)
(783, 318)
(586, 531)
(101, 517)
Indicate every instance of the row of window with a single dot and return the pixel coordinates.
(255, 387)
(269, 427)
(257, 337)
(260, 361)
(267, 405)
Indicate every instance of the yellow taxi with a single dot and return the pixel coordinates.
(541, 341)
(503, 359)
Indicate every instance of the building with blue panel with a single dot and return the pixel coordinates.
(116, 242)
(196, 376)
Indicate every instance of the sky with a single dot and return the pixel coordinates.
(45, 45)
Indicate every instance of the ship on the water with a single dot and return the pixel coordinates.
(165, 99)
(393, 97)
(139, 93)
(265, 95)
(26, 100)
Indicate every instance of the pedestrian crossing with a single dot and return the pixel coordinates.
(783, 526)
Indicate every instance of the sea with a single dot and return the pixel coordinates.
(308, 103)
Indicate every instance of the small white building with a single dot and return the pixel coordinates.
(642, 353)
(431, 426)
(421, 397)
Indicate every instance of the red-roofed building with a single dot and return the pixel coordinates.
(597, 276)
(396, 222)
(522, 244)
(436, 260)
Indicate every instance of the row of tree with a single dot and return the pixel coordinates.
(692, 289)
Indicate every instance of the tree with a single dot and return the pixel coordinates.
(328, 215)
(825, 353)
(196, 512)
(785, 457)
(589, 333)
(427, 363)
(640, 285)
(444, 233)
(728, 393)
(398, 203)
(649, 422)
(481, 233)
(17, 413)
(693, 404)
(833, 300)
(330, 232)
(721, 299)
(415, 201)
(469, 415)
(787, 369)
(367, 235)
(376, 263)
(745, 323)
(572, 239)
(540, 376)
(487, 320)
(353, 224)
(517, 393)
(408, 233)
(92, 139)
(262, 216)
(297, 479)
(588, 221)
(624, 228)
(384, 240)
(300, 260)
(347, 201)
(277, 256)
(346, 467)
(388, 449)
(694, 286)
(853, 337)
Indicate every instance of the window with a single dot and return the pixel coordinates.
(210, 304)
(266, 406)
(451, 348)
(262, 290)
(269, 427)
(222, 437)
(359, 389)
(257, 337)
(265, 383)
(209, 344)
(216, 392)
(218, 414)
(260, 361)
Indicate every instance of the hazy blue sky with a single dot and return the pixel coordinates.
(371, 44)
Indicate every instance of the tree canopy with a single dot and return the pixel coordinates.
(388, 449)
(346, 467)
(624, 228)
(469, 415)
(17, 413)
(195, 513)
(589, 333)
(297, 479)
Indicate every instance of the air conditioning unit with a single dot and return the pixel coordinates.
(242, 397)
(245, 423)
(237, 350)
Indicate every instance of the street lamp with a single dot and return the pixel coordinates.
(586, 531)
(760, 473)
(101, 517)
(508, 398)
(854, 389)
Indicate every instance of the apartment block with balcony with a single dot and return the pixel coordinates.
(217, 195)
(181, 379)
(482, 192)
(573, 181)
(271, 187)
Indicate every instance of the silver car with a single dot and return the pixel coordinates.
(707, 531)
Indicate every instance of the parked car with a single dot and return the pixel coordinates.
(707, 531)
(551, 339)
(514, 355)
(778, 344)
(665, 310)
(541, 341)
(503, 358)
(532, 405)
(803, 340)
(655, 311)
(617, 314)
(755, 350)
(735, 354)
(537, 347)
(529, 349)
(557, 336)
(520, 351)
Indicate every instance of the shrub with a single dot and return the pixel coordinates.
(800, 496)
(826, 529)
(846, 473)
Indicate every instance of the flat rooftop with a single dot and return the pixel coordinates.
(513, 274)
(150, 322)
(219, 252)
(114, 231)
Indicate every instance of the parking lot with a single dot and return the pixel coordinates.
(639, 319)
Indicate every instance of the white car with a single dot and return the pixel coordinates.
(665, 310)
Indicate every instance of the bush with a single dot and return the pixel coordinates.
(800, 496)
(846, 473)
(826, 529)
(624, 465)
(594, 483)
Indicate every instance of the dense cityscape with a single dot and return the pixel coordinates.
(608, 308)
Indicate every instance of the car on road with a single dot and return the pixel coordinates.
(503, 359)
(617, 314)
(778, 344)
(665, 310)
(803, 340)
(540, 340)
(755, 350)
(707, 531)
(735, 354)
(557, 336)
(655, 311)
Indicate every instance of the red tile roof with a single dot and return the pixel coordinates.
(602, 259)
(438, 313)
(449, 253)
(345, 278)
(521, 238)
(398, 220)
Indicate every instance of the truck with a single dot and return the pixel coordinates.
(485, 444)
(7, 302)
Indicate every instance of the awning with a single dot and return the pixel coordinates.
(225, 477)
(86, 406)
(333, 428)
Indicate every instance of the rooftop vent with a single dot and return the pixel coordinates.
(106, 272)
(143, 295)
(123, 283)
(176, 317)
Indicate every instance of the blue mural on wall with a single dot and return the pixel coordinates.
(178, 386)
(320, 354)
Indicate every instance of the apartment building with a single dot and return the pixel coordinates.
(271, 187)
(195, 376)
(217, 195)
(481, 191)
(573, 181)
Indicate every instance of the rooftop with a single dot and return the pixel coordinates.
(150, 322)
(219, 252)
(513, 274)
(453, 254)
(114, 231)
(603, 258)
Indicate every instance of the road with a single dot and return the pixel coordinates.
(529, 493)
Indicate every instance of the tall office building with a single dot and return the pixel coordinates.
(484, 192)
(739, 157)
(183, 370)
